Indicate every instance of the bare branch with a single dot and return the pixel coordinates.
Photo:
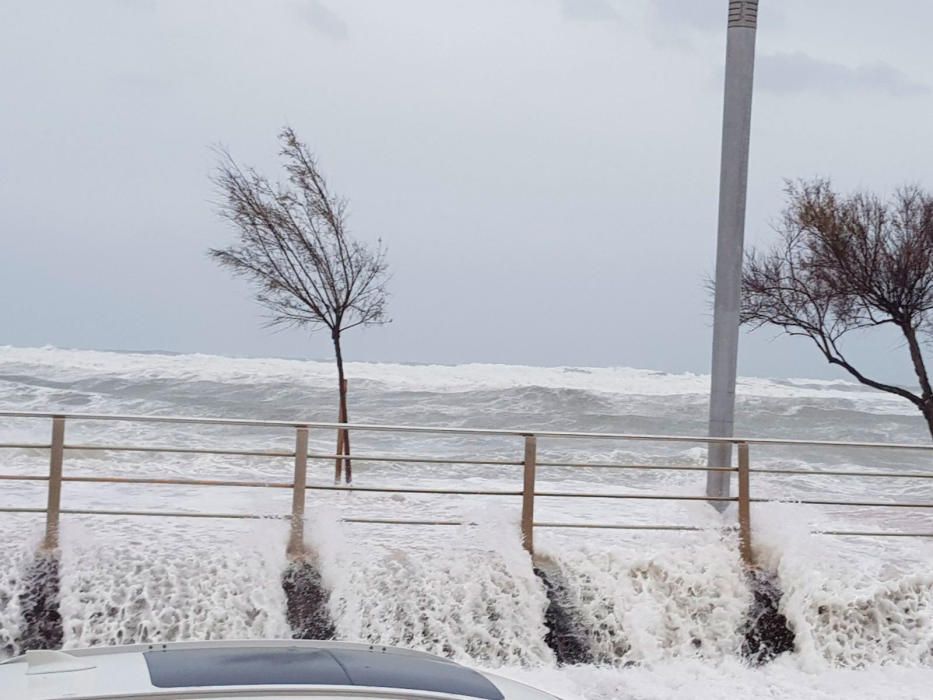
(847, 263)
(293, 245)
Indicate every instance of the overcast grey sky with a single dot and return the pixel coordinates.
(543, 172)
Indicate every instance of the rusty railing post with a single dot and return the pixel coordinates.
(745, 520)
(528, 495)
(53, 507)
(296, 539)
(338, 461)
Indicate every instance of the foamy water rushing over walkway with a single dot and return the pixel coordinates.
(662, 612)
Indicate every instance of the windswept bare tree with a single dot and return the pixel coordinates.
(849, 263)
(295, 249)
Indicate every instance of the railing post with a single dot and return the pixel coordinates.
(338, 462)
(296, 540)
(53, 507)
(528, 495)
(745, 520)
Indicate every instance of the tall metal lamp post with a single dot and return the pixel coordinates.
(733, 181)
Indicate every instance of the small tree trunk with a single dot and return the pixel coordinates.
(338, 463)
(926, 390)
(343, 436)
(344, 439)
(928, 414)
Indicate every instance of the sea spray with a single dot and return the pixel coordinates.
(127, 583)
(844, 615)
(17, 550)
(10, 614)
(855, 620)
(869, 624)
(474, 599)
(645, 605)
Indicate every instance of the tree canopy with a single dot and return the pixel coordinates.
(847, 263)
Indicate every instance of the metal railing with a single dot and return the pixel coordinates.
(529, 462)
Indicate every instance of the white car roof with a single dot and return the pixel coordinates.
(247, 670)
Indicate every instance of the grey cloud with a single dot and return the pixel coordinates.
(698, 15)
(324, 20)
(588, 10)
(800, 72)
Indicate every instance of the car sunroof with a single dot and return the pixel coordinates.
(180, 668)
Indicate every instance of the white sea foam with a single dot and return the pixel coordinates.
(17, 546)
(853, 626)
(126, 583)
(846, 610)
(668, 602)
(474, 597)
(729, 679)
(65, 365)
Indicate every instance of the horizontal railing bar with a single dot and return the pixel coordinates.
(684, 528)
(258, 423)
(178, 482)
(510, 463)
(811, 472)
(380, 489)
(871, 533)
(244, 422)
(25, 446)
(637, 466)
(555, 494)
(230, 515)
(386, 489)
(765, 472)
(416, 460)
(860, 504)
(148, 513)
(658, 528)
(380, 458)
(451, 492)
(386, 521)
(182, 450)
(257, 484)
(275, 453)
(456, 431)
(645, 496)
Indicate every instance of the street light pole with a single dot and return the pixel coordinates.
(733, 181)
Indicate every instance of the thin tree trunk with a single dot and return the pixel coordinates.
(926, 391)
(348, 468)
(338, 462)
(343, 436)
